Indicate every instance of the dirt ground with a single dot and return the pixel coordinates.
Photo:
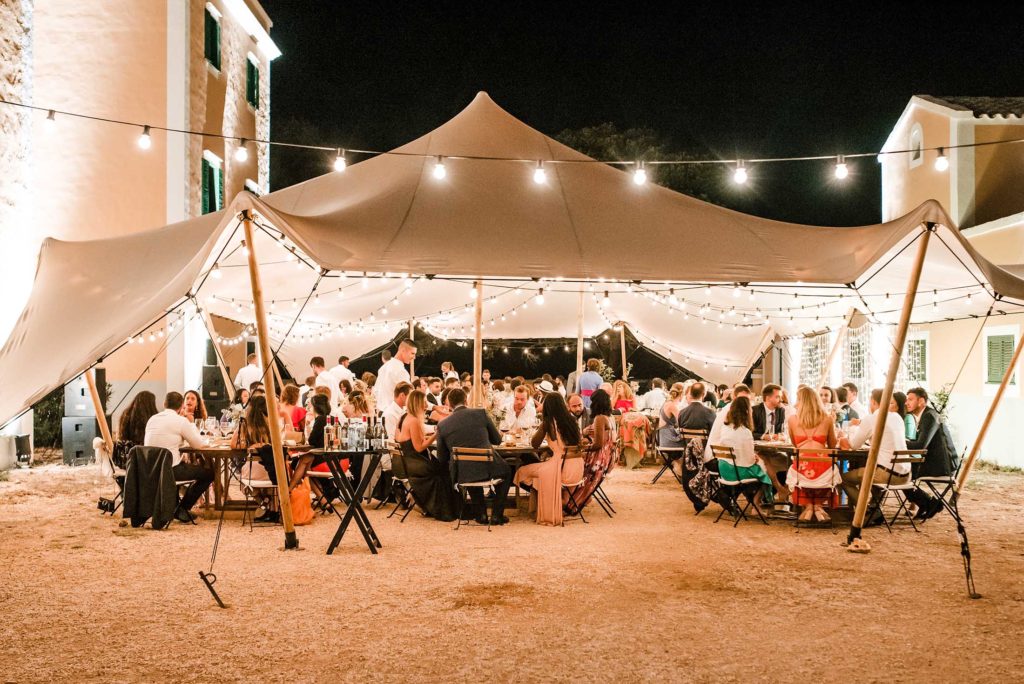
(653, 594)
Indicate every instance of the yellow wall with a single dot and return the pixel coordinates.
(999, 173)
(1002, 245)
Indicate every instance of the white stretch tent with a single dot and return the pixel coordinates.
(587, 226)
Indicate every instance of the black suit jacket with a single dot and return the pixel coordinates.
(470, 428)
(761, 420)
(696, 416)
(934, 436)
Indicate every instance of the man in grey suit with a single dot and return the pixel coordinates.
(471, 428)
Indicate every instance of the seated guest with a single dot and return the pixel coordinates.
(430, 481)
(241, 402)
(785, 403)
(396, 409)
(931, 434)
(668, 435)
(578, 410)
(545, 479)
(893, 439)
(601, 431)
(909, 424)
(724, 394)
(560, 386)
(357, 406)
(522, 414)
(770, 419)
(846, 412)
(169, 429)
(696, 415)
(852, 395)
(655, 398)
(434, 388)
(716, 428)
(193, 407)
(131, 429)
(736, 434)
(448, 371)
(828, 400)
(812, 427)
(320, 407)
(623, 393)
(253, 434)
(305, 391)
(293, 414)
(471, 428)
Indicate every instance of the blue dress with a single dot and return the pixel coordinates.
(667, 435)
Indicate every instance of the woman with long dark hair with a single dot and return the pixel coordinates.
(193, 407)
(132, 426)
(545, 479)
(254, 434)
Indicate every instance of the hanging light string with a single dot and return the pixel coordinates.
(639, 176)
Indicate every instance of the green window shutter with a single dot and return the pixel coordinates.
(1000, 352)
(220, 189)
(917, 360)
(252, 84)
(206, 186)
(212, 42)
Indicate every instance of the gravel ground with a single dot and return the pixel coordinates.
(654, 594)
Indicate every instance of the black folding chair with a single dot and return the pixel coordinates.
(899, 491)
(400, 484)
(462, 455)
(733, 489)
(943, 488)
(573, 508)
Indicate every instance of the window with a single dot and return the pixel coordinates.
(252, 186)
(915, 358)
(998, 353)
(812, 359)
(252, 82)
(213, 183)
(212, 43)
(916, 146)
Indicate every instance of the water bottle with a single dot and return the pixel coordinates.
(352, 439)
(364, 444)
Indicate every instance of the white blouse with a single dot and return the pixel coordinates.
(742, 442)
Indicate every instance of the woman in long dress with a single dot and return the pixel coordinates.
(545, 478)
(812, 427)
(667, 419)
(431, 485)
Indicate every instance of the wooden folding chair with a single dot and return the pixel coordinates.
(814, 455)
(733, 489)
(574, 507)
(883, 491)
(400, 482)
(466, 455)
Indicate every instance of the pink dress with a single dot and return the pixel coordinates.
(546, 479)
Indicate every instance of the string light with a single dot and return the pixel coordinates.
(739, 176)
(242, 153)
(941, 161)
(540, 176)
(439, 170)
(640, 175)
(339, 161)
(145, 142)
(606, 300)
(540, 297)
(215, 273)
(841, 169)
(51, 123)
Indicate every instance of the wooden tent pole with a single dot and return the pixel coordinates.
(277, 375)
(291, 541)
(826, 371)
(883, 407)
(412, 338)
(101, 415)
(228, 383)
(579, 342)
(478, 350)
(622, 346)
(965, 470)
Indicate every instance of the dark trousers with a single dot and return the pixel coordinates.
(203, 479)
(476, 495)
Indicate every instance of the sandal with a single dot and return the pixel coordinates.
(806, 514)
(821, 516)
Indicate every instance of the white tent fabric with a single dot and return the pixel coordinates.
(488, 219)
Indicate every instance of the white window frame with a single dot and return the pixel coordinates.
(252, 186)
(916, 134)
(989, 390)
(218, 164)
(926, 336)
(218, 16)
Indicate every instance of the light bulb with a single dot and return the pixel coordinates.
(245, 251)
(842, 171)
(606, 300)
(215, 273)
(366, 281)
(540, 297)
(942, 161)
(740, 174)
(439, 170)
(707, 290)
(51, 123)
(242, 153)
(968, 298)
(736, 291)
(339, 162)
(540, 176)
(472, 293)
(145, 142)
(640, 175)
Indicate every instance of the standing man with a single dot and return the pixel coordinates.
(324, 378)
(341, 371)
(393, 372)
(248, 374)
(932, 436)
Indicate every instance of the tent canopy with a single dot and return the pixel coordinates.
(654, 251)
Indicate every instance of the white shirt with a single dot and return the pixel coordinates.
(861, 409)
(248, 375)
(451, 374)
(653, 400)
(169, 430)
(342, 373)
(742, 442)
(893, 439)
(715, 436)
(392, 414)
(327, 379)
(391, 373)
(523, 421)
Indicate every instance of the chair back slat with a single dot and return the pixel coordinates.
(471, 455)
(909, 455)
(692, 434)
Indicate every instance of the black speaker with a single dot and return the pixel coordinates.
(213, 385)
(215, 406)
(77, 433)
(77, 401)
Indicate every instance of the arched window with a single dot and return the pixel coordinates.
(916, 145)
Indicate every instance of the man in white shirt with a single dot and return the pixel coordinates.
(893, 439)
(248, 374)
(655, 398)
(396, 409)
(853, 401)
(169, 429)
(522, 414)
(393, 372)
(341, 371)
(324, 378)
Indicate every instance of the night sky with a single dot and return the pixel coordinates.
(719, 81)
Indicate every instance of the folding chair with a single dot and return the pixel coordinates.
(322, 502)
(667, 455)
(883, 491)
(814, 455)
(464, 455)
(260, 491)
(118, 475)
(574, 507)
(734, 488)
(943, 488)
(178, 486)
(400, 484)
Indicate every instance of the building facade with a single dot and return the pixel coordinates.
(180, 64)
